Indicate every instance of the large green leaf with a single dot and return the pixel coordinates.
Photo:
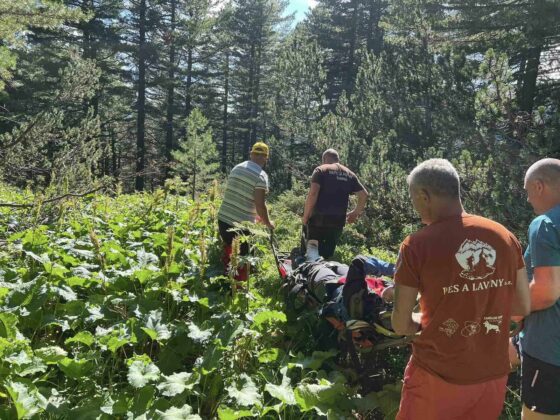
(115, 343)
(27, 400)
(314, 362)
(198, 335)
(322, 397)
(51, 355)
(212, 357)
(8, 324)
(177, 383)
(268, 317)
(271, 355)
(83, 337)
(140, 373)
(284, 393)
(143, 399)
(389, 399)
(226, 413)
(155, 327)
(229, 331)
(183, 413)
(75, 368)
(244, 391)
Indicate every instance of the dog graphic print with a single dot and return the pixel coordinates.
(491, 327)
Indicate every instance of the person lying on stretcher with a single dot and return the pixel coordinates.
(349, 297)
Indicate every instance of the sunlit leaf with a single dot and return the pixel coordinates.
(183, 413)
(139, 374)
(177, 383)
(268, 316)
(226, 413)
(83, 337)
(27, 400)
(75, 368)
(51, 355)
(284, 393)
(244, 391)
(198, 335)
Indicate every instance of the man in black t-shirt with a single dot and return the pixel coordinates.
(327, 204)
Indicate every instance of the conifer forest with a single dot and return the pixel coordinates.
(120, 121)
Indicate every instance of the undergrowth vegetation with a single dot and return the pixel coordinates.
(117, 307)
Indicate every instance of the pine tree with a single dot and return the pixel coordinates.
(342, 29)
(197, 159)
(57, 147)
(297, 97)
(256, 27)
(528, 32)
(18, 16)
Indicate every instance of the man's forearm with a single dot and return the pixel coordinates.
(361, 205)
(262, 211)
(309, 205)
(540, 300)
(410, 326)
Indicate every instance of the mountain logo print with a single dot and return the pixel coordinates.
(477, 259)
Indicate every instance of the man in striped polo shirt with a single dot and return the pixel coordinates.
(244, 201)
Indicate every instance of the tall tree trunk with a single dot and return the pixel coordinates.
(225, 114)
(529, 87)
(250, 96)
(188, 87)
(256, 96)
(350, 72)
(375, 33)
(90, 46)
(141, 102)
(170, 91)
(114, 168)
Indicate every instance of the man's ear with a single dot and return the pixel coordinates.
(424, 195)
(539, 186)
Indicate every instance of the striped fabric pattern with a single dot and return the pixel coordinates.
(239, 203)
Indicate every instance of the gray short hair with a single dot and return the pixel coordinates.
(437, 176)
(331, 155)
(547, 170)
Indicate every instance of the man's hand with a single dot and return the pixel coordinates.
(270, 225)
(352, 216)
(304, 220)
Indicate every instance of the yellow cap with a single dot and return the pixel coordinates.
(260, 148)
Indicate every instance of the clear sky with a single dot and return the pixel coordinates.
(300, 7)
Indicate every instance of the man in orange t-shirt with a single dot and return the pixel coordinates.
(470, 274)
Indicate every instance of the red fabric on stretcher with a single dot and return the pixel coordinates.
(374, 284)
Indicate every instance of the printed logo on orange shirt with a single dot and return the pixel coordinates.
(477, 259)
(449, 327)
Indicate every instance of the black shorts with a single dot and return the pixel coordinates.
(540, 385)
(327, 230)
(227, 236)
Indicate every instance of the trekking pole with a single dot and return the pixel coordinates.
(275, 252)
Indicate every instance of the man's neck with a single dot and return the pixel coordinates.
(447, 210)
(255, 162)
(554, 202)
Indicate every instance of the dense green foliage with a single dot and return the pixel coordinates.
(389, 83)
(147, 94)
(117, 308)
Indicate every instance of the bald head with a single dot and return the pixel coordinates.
(437, 176)
(545, 170)
(330, 156)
